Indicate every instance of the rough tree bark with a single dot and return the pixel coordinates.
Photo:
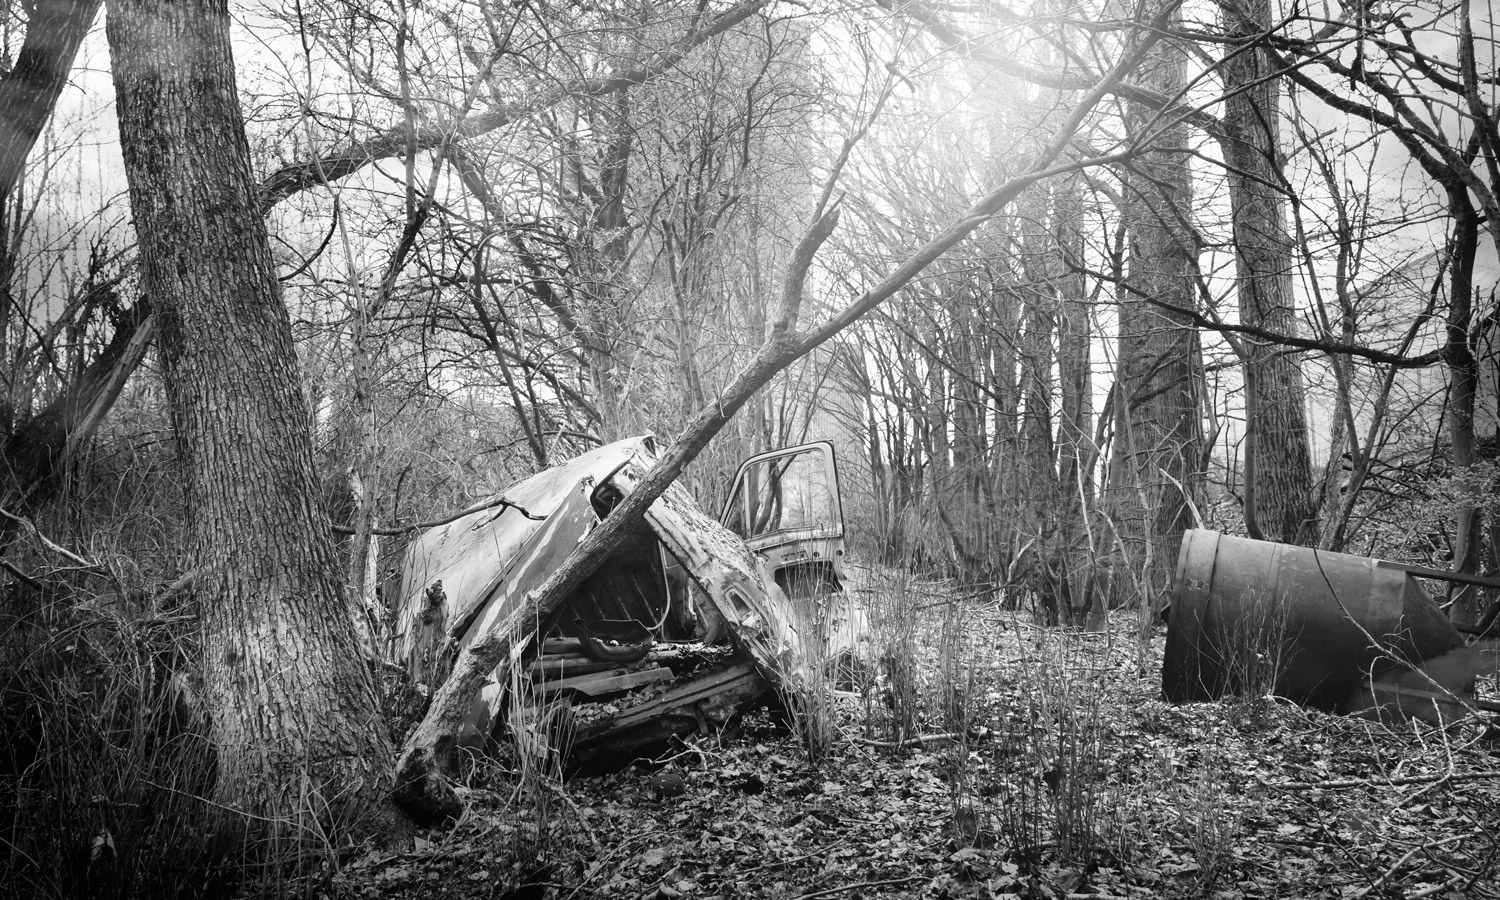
(1157, 450)
(1280, 502)
(295, 714)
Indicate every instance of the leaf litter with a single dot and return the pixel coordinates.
(1063, 775)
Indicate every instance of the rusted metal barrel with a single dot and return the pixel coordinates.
(1244, 609)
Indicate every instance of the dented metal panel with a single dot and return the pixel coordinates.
(735, 579)
(486, 562)
(470, 559)
(472, 577)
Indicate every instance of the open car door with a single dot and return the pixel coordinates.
(785, 505)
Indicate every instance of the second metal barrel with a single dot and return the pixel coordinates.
(1309, 615)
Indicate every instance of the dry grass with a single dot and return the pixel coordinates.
(103, 761)
(981, 756)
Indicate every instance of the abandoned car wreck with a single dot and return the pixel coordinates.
(682, 629)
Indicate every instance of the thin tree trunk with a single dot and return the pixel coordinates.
(970, 437)
(1040, 498)
(607, 242)
(1463, 367)
(1002, 374)
(1463, 380)
(935, 415)
(295, 714)
(1081, 555)
(1074, 342)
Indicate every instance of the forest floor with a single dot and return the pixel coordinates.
(1066, 776)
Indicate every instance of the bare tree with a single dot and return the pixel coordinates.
(1380, 53)
(295, 715)
(422, 782)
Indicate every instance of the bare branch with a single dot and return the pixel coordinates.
(47, 542)
(398, 139)
(959, 43)
(422, 785)
(452, 517)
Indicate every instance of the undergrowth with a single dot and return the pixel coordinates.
(1052, 801)
(103, 761)
(993, 756)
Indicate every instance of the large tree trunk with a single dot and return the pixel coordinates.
(1158, 440)
(295, 713)
(1280, 503)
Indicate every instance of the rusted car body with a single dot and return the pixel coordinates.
(683, 578)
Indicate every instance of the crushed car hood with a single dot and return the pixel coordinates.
(464, 579)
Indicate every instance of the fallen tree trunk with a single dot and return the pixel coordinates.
(422, 784)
